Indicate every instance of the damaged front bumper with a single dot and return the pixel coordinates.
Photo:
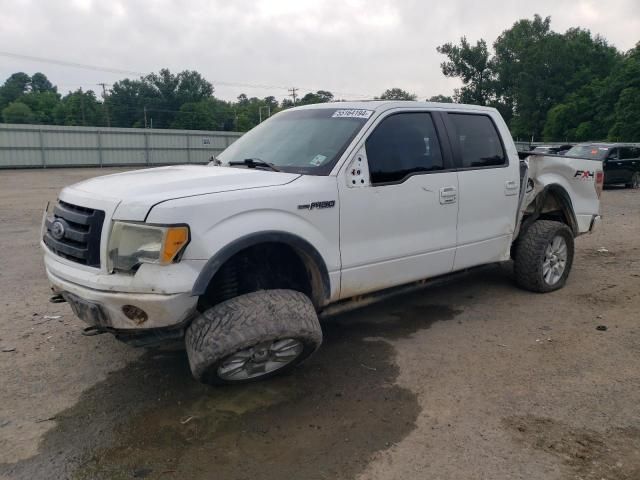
(110, 310)
(95, 298)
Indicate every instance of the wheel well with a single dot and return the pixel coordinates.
(553, 203)
(264, 266)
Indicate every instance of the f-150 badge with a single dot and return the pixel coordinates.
(314, 205)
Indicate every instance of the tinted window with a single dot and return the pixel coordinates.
(593, 152)
(479, 141)
(403, 144)
(628, 152)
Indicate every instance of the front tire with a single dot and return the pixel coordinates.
(544, 256)
(252, 337)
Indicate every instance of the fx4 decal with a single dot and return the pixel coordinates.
(584, 175)
(315, 205)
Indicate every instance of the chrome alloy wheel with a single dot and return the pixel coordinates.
(260, 360)
(555, 260)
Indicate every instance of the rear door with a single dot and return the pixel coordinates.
(630, 163)
(613, 166)
(488, 184)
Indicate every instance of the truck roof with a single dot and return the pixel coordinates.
(382, 105)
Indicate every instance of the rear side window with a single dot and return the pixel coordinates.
(629, 152)
(479, 141)
(401, 145)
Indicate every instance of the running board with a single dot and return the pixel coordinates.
(365, 300)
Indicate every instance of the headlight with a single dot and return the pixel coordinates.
(131, 244)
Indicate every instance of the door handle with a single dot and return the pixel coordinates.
(448, 195)
(510, 187)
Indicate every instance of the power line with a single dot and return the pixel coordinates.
(123, 71)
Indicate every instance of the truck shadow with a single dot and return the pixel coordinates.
(324, 420)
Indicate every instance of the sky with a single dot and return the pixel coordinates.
(353, 48)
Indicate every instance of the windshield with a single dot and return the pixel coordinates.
(307, 141)
(592, 152)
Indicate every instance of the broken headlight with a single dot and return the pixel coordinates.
(131, 244)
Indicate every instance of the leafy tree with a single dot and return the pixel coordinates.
(42, 103)
(472, 64)
(40, 83)
(17, 112)
(626, 125)
(537, 69)
(440, 99)
(397, 94)
(13, 88)
(80, 108)
(321, 96)
(207, 114)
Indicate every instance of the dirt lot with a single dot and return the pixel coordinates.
(473, 380)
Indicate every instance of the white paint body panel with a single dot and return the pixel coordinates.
(488, 207)
(547, 170)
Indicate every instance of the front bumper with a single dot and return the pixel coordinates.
(162, 310)
(164, 295)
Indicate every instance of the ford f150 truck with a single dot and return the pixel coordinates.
(317, 209)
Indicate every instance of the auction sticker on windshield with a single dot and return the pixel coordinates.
(352, 113)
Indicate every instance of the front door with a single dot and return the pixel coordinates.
(398, 205)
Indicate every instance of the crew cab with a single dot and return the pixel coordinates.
(318, 209)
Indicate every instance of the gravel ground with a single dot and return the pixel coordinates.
(472, 380)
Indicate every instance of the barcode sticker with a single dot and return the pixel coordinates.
(352, 113)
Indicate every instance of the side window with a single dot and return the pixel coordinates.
(480, 144)
(613, 154)
(626, 153)
(403, 144)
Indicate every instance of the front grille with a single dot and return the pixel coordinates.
(73, 232)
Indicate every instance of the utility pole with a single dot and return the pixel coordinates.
(145, 116)
(104, 103)
(293, 91)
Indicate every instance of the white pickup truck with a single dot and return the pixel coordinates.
(317, 209)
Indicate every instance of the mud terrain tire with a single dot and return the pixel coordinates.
(532, 252)
(254, 320)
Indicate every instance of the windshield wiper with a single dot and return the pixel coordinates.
(255, 163)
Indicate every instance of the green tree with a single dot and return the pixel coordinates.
(397, 94)
(13, 88)
(321, 96)
(207, 114)
(472, 64)
(17, 112)
(42, 103)
(604, 108)
(40, 83)
(440, 99)
(536, 69)
(80, 108)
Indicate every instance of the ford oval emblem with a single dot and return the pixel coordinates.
(57, 230)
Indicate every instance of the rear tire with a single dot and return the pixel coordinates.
(252, 337)
(544, 256)
(635, 181)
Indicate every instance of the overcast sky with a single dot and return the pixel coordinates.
(354, 48)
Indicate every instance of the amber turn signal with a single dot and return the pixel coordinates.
(174, 241)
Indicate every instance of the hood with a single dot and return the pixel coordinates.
(139, 190)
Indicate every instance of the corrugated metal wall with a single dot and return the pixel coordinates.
(29, 146)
